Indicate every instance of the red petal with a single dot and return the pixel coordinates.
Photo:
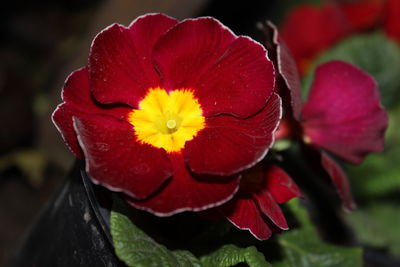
(270, 208)
(245, 215)
(228, 145)
(392, 20)
(185, 192)
(280, 185)
(363, 15)
(229, 74)
(116, 160)
(339, 179)
(343, 112)
(308, 29)
(77, 101)
(287, 68)
(120, 63)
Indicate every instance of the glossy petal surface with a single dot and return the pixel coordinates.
(120, 62)
(204, 55)
(343, 112)
(115, 160)
(185, 192)
(270, 208)
(280, 185)
(244, 214)
(286, 66)
(77, 101)
(228, 144)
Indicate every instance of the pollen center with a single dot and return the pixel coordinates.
(167, 120)
(171, 124)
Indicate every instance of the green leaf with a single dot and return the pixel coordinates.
(377, 225)
(137, 249)
(230, 255)
(302, 247)
(375, 54)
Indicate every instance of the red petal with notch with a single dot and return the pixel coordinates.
(228, 145)
(364, 14)
(287, 68)
(185, 192)
(392, 20)
(343, 112)
(280, 185)
(339, 179)
(77, 101)
(120, 63)
(245, 215)
(270, 208)
(221, 68)
(116, 160)
(308, 30)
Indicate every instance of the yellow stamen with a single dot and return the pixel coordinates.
(167, 120)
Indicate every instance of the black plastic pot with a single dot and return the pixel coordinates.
(73, 229)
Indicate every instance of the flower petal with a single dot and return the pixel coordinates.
(228, 145)
(270, 208)
(185, 192)
(245, 215)
(120, 63)
(308, 30)
(392, 20)
(205, 56)
(116, 160)
(363, 15)
(343, 112)
(77, 101)
(280, 185)
(339, 179)
(289, 87)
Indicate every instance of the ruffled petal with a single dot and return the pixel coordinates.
(120, 63)
(185, 192)
(270, 208)
(228, 145)
(229, 74)
(339, 179)
(245, 215)
(343, 112)
(280, 185)
(77, 101)
(116, 160)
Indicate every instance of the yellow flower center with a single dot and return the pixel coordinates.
(167, 120)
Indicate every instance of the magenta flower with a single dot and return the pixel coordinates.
(342, 114)
(169, 112)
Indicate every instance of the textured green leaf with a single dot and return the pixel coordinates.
(377, 226)
(302, 247)
(230, 255)
(137, 249)
(375, 54)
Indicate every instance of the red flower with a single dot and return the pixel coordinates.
(342, 114)
(170, 112)
(309, 30)
(255, 207)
